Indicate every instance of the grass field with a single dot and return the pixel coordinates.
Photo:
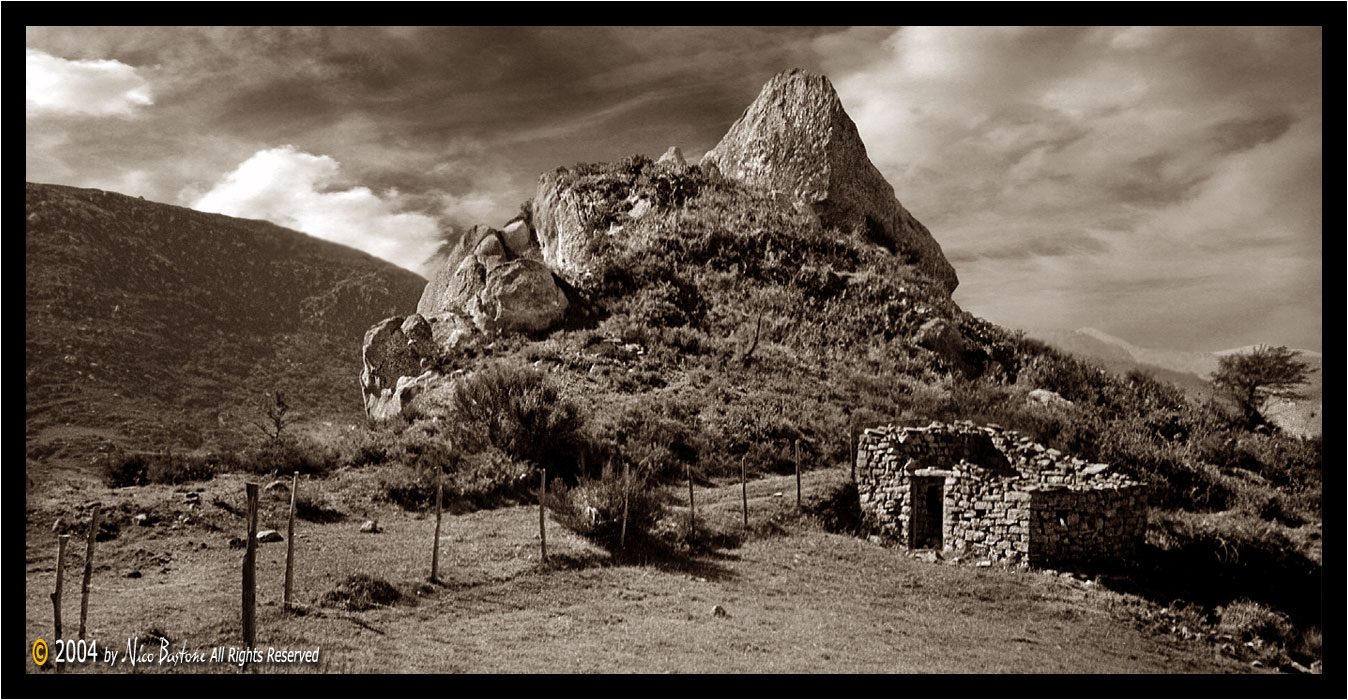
(797, 598)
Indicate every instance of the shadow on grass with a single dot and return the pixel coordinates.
(697, 556)
(1213, 572)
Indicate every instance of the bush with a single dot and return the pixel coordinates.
(519, 412)
(315, 510)
(126, 470)
(178, 469)
(362, 592)
(286, 456)
(1245, 620)
(594, 509)
(409, 487)
(141, 469)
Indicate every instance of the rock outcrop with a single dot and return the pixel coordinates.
(497, 281)
(673, 157)
(561, 220)
(794, 141)
(944, 338)
(796, 138)
(396, 353)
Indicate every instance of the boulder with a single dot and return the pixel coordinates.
(492, 288)
(519, 240)
(943, 338)
(796, 138)
(520, 295)
(395, 352)
(1044, 397)
(459, 272)
(673, 157)
(561, 218)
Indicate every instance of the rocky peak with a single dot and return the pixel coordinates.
(797, 138)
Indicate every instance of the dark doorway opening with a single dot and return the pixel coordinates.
(928, 511)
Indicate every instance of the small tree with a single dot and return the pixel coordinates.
(1250, 378)
(278, 417)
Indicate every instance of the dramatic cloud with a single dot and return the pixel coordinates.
(57, 85)
(301, 191)
(1160, 183)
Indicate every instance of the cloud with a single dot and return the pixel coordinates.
(302, 191)
(98, 88)
(1162, 180)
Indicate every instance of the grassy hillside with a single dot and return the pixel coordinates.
(725, 329)
(152, 326)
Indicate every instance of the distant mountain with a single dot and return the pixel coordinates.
(151, 325)
(1191, 370)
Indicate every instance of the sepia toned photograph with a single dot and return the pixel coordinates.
(695, 350)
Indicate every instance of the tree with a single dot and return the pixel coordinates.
(278, 416)
(1250, 378)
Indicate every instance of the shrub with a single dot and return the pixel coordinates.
(594, 509)
(315, 510)
(141, 469)
(520, 412)
(409, 487)
(286, 456)
(362, 592)
(1245, 619)
(126, 470)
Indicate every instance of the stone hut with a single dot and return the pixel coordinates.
(997, 495)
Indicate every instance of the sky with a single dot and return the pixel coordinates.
(1163, 185)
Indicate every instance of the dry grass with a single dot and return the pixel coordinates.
(798, 599)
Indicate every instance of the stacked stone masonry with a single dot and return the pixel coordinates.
(997, 495)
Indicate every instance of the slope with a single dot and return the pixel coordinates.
(152, 326)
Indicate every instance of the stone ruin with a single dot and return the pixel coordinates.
(996, 495)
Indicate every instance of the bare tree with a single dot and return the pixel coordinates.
(278, 417)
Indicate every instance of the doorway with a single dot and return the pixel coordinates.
(928, 513)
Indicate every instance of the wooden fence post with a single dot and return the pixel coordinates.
(627, 488)
(692, 512)
(88, 568)
(61, 542)
(542, 525)
(852, 448)
(286, 600)
(249, 574)
(744, 493)
(435, 550)
(796, 448)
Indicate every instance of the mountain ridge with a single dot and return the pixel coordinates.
(148, 320)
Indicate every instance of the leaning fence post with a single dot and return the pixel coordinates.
(88, 568)
(290, 545)
(61, 542)
(249, 575)
(542, 525)
(435, 550)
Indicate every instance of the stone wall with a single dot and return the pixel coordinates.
(995, 494)
(1082, 525)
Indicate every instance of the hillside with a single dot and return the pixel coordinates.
(1192, 371)
(152, 326)
(642, 328)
